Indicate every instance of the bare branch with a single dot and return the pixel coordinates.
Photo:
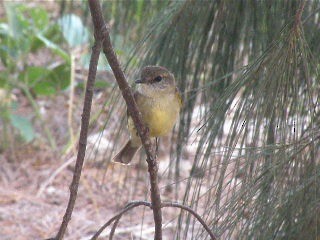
(134, 204)
(83, 138)
(196, 215)
(128, 207)
(113, 229)
(103, 32)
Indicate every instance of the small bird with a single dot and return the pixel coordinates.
(159, 102)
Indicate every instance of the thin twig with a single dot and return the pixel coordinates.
(134, 204)
(129, 206)
(196, 215)
(83, 138)
(100, 28)
(113, 229)
(50, 179)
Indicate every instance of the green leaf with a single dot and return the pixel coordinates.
(54, 47)
(32, 75)
(19, 35)
(36, 78)
(52, 32)
(73, 30)
(44, 88)
(16, 21)
(60, 76)
(24, 126)
(46, 82)
(39, 17)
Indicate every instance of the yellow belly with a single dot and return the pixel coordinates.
(159, 114)
(160, 122)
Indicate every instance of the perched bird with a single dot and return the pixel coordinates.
(159, 102)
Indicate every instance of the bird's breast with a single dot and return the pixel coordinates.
(160, 114)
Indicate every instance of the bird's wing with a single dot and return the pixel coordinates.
(135, 139)
(178, 96)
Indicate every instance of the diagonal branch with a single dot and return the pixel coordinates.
(103, 31)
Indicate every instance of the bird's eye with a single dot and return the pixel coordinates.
(158, 79)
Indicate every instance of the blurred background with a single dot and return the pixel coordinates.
(245, 153)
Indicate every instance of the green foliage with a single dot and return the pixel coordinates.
(24, 35)
(128, 20)
(27, 32)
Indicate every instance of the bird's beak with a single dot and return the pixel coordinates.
(139, 81)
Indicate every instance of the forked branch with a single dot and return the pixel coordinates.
(134, 204)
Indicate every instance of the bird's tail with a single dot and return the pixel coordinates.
(126, 154)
